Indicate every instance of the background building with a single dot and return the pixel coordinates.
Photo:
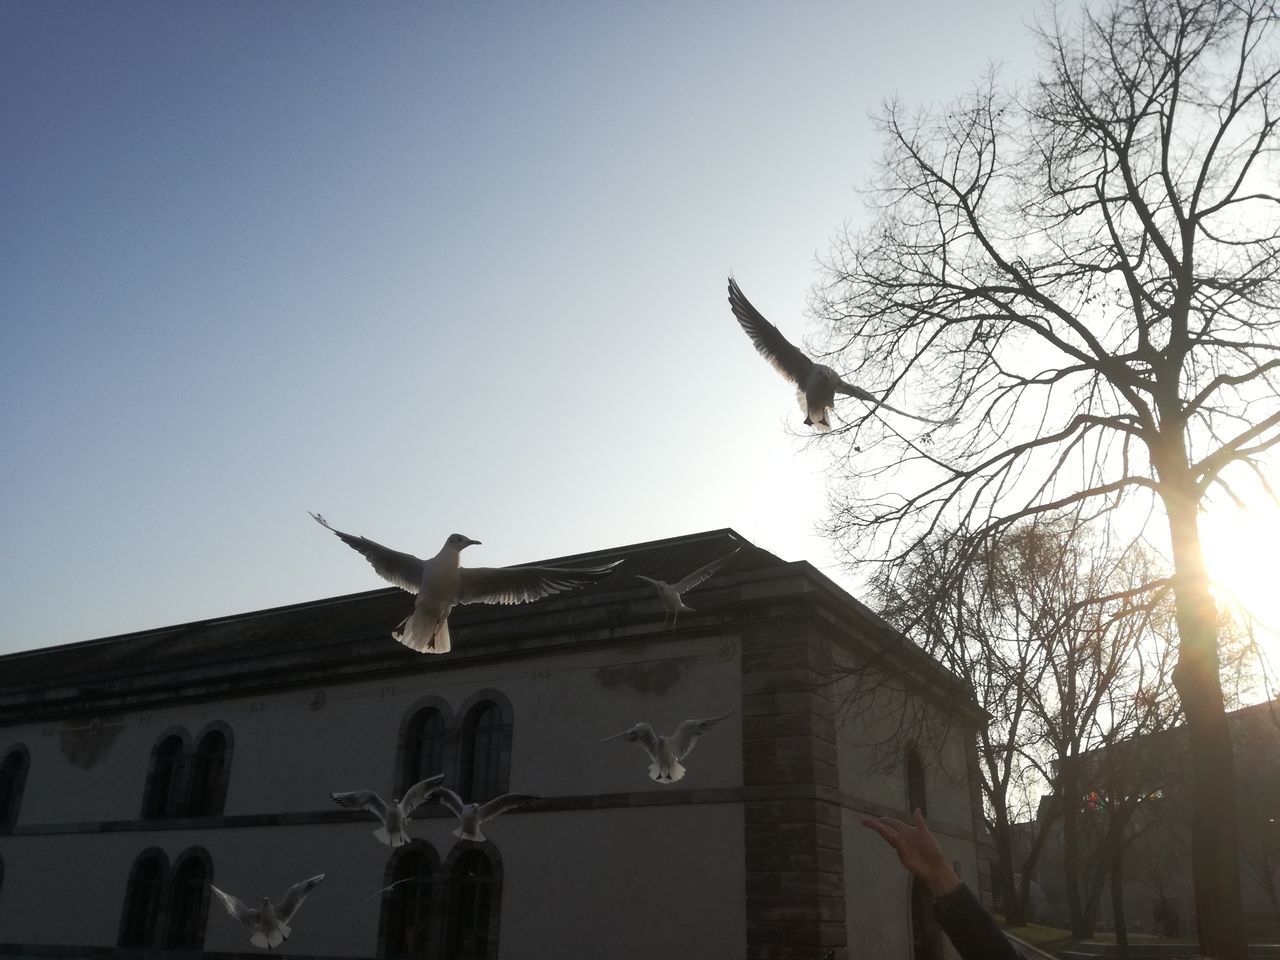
(135, 770)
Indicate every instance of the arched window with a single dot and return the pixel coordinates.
(407, 909)
(210, 766)
(141, 923)
(424, 747)
(13, 777)
(189, 901)
(474, 891)
(916, 798)
(165, 782)
(483, 752)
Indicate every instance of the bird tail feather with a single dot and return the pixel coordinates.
(666, 774)
(412, 634)
(259, 940)
(384, 837)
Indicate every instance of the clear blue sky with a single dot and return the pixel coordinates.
(422, 267)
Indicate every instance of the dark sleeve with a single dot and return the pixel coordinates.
(971, 928)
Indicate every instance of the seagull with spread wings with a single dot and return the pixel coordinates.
(670, 593)
(441, 583)
(472, 815)
(269, 922)
(394, 815)
(816, 383)
(667, 752)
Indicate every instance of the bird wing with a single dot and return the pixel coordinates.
(362, 800)
(451, 800)
(687, 734)
(419, 793)
(402, 569)
(500, 805)
(849, 390)
(642, 735)
(702, 573)
(523, 584)
(294, 896)
(786, 358)
(235, 907)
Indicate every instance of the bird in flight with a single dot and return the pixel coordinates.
(441, 583)
(472, 815)
(667, 752)
(670, 593)
(269, 922)
(394, 815)
(816, 383)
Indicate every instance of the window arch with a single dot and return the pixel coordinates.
(189, 900)
(163, 796)
(407, 908)
(13, 778)
(140, 926)
(210, 768)
(475, 892)
(484, 748)
(424, 746)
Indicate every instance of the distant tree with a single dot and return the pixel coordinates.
(1088, 273)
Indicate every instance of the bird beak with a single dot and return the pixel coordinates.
(472, 543)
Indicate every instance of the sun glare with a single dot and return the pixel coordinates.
(1240, 551)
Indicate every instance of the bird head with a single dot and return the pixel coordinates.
(459, 542)
(266, 901)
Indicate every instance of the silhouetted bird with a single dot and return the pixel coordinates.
(669, 593)
(472, 815)
(816, 383)
(269, 922)
(667, 752)
(441, 583)
(394, 815)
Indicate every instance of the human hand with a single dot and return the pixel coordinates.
(918, 851)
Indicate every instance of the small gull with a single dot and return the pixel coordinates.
(394, 815)
(441, 583)
(472, 815)
(269, 922)
(669, 593)
(667, 752)
(816, 383)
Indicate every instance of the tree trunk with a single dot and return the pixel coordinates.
(1070, 793)
(1210, 768)
(1117, 897)
(1015, 909)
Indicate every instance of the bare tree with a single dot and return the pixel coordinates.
(1089, 274)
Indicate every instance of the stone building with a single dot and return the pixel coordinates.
(137, 769)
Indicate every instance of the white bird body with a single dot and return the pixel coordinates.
(666, 752)
(269, 923)
(394, 815)
(472, 815)
(671, 594)
(441, 583)
(816, 384)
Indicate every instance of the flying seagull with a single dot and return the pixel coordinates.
(394, 815)
(269, 922)
(441, 583)
(669, 593)
(816, 383)
(472, 815)
(667, 752)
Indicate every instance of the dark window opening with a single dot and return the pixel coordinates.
(409, 906)
(142, 904)
(209, 776)
(916, 799)
(425, 743)
(13, 776)
(481, 746)
(472, 895)
(165, 787)
(188, 905)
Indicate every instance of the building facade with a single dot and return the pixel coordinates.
(136, 770)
